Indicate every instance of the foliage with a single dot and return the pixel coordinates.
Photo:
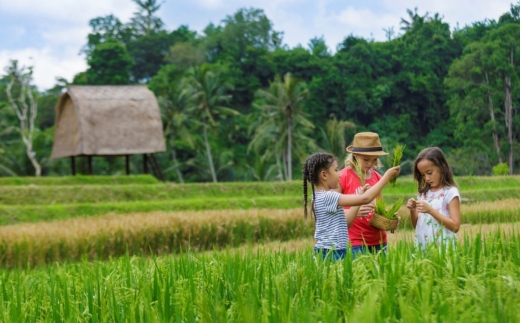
(397, 155)
(430, 85)
(501, 169)
(276, 286)
(387, 211)
(109, 64)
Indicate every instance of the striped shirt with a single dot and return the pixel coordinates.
(331, 224)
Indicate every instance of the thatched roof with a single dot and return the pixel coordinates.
(107, 120)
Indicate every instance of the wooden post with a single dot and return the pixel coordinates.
(89, 162)
(73, 165)
(127, 157)
(145, 164)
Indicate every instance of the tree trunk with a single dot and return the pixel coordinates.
(279, 166)
(289, 153)
(284, 162)
(208, 151)
(492, 115)
(25, 112)
(508, 107)
(34, 162)
(174, 158)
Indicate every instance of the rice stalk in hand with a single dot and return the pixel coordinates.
(397, 156)
(359, 171)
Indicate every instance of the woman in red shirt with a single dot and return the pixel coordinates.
(365, 150)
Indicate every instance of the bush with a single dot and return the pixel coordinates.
(501, 169)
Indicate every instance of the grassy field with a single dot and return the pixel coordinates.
(73, 197)
(475, 283)
(112, 235)
(131, 249)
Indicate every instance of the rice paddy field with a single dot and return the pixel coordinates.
(131, 249)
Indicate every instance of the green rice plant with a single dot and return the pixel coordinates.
(475, 282)
(389, 212)
(397, 155)
(359, 171)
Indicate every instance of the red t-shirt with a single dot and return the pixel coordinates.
(360, 232)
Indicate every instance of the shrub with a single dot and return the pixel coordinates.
(501, 169)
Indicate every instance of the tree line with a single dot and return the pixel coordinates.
(240, 105)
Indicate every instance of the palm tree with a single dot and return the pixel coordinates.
(282, 121)
(177, 124)
(145, 20)
(207, 99)
(414, 19)
(334, 136)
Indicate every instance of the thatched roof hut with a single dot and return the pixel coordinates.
(107, 121)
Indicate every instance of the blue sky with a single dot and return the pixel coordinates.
(49, 34)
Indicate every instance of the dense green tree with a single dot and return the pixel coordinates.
(109, 64)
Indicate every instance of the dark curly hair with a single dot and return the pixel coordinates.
(314, 164)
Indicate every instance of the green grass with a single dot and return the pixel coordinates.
(478, 282)
(78, 180)
(12, 214)
(116, 190)
(44, 195)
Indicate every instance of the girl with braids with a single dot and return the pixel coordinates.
(321, 171)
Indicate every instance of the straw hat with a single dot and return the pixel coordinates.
(366, 143)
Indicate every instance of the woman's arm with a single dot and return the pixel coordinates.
(372, 193)
(453, 222)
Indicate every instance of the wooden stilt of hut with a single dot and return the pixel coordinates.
(108, 121)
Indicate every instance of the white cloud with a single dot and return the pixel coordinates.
(47, 64)
(63, 24)
(78, 11)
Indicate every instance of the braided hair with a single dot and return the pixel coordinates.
(314, 164)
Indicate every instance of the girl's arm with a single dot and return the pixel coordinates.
(351, 213)
(413, 211)
(453, 222)
(372, 193)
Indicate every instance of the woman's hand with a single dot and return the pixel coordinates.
(411, 204)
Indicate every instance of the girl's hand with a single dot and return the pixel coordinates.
(362, 189)
(393, 172)
(411, 204)
(365, 210)
(423, 207)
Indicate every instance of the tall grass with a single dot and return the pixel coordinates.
(30, 245)
(474, 283)
(102, 237)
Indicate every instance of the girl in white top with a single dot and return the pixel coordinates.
(435, 214)
(321, 171)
